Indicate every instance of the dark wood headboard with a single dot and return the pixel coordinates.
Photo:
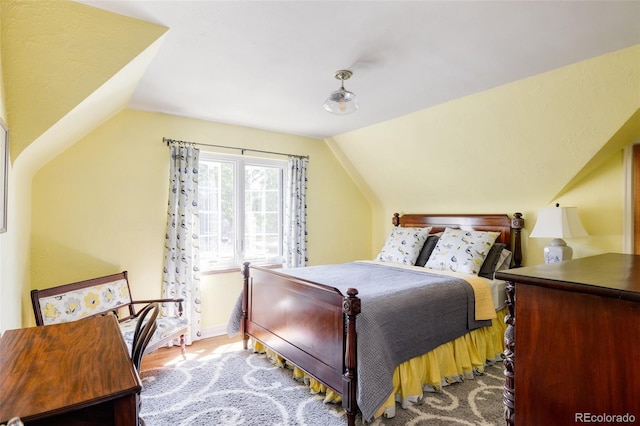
(474, 222)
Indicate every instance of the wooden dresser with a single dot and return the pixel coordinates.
(573, 342)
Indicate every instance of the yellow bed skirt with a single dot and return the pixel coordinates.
(454, 361)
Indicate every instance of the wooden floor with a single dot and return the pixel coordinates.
(164, 356)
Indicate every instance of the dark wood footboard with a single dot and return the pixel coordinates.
(311, 325)
(314, 326)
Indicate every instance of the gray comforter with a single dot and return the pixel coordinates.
(405, 313)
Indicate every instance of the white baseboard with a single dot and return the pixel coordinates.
(216, 330)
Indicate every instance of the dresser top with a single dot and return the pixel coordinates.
(611, 275)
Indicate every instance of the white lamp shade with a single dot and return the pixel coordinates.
(558, 222)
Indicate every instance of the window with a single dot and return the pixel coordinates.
(241, 210)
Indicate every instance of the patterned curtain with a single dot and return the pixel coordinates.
(181, 273)
(296, 214)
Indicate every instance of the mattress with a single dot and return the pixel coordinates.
(498, 293)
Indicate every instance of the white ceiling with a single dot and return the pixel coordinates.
(271, 64)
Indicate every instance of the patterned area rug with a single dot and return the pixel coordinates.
(236, 387)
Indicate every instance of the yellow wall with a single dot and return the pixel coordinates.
(61, 52)
(100, 207)
(4, 246)
(13, 257)
(66, 68)
(600, 200)
(512, 148)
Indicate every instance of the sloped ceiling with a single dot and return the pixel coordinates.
(68, 68)
(513, 146)
(271, 64)
(499, 90)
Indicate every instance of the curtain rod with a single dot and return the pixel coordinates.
(242, 150)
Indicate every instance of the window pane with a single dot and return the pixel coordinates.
(271, 223)
(272, 200)
(262, 212)
(258, 196)
(216, 211)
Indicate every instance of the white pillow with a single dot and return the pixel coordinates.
(461, 251)
(504, 262)
(403, 245)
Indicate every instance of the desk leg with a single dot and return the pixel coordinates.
(125, 410)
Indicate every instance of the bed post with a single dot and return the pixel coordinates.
(245, 305)
(351, 308)
(509, 398)
(517, 223)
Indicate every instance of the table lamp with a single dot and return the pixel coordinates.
(558, 223)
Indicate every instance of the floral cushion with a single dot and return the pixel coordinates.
(167, 326)
(403, 245)
(461, 251)
(101, 299)
(85, 302)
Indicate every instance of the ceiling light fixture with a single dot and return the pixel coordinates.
(341, 101)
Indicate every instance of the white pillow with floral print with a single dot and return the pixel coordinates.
(77, 304)
(461, 251)
(403, 245)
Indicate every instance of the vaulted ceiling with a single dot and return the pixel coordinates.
(419, 141)
(271, 64)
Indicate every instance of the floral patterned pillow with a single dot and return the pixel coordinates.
(84, 302)
(403, 245)
(461, 251)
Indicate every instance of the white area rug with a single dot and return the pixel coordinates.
(237, 387)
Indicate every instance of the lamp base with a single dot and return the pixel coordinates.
(557, 251)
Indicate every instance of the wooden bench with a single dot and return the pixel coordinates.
(110, 294)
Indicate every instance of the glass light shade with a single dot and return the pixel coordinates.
(341, 102)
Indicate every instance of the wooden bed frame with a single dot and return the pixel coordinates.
(314, 326)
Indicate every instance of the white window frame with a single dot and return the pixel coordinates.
(240, 162)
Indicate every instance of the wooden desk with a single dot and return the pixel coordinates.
(76, 373)
(577, 352)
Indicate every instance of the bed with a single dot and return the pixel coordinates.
(330, 322)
